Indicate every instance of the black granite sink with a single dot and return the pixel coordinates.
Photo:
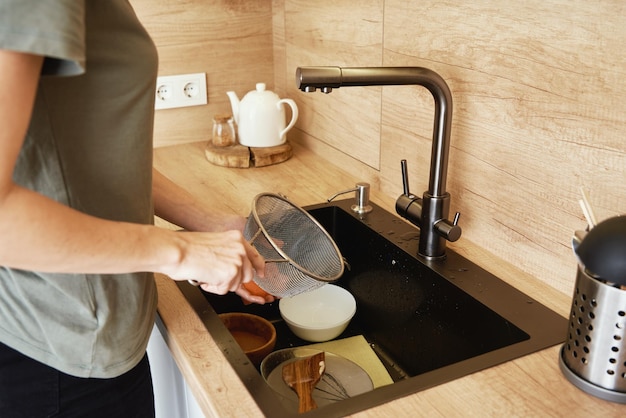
(428, 321)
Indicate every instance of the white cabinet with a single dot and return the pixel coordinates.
(172, 397)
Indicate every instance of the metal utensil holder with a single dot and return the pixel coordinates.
(593, 357)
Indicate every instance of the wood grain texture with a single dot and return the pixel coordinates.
(302, 376)
(271, 155)
(236, 156)
(337, 33)
(538, 95)
(229, 40)
(215, 385)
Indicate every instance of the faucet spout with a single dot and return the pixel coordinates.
(429, 213)
(327, 78)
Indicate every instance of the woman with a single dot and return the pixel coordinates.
(77, 199)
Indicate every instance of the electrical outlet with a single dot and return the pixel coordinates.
(180, 91)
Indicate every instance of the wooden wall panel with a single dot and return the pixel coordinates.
(538, 112)
(329, 32)
(281, 77)
(229, 40)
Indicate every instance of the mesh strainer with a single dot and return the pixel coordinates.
(300, 255)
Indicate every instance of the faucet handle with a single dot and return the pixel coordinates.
(449, 230)
(405, 178)
(408, 205)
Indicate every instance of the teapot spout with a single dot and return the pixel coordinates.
(234, 104)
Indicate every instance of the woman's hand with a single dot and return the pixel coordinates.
(238, 280)
(219, 261)
(203, 257)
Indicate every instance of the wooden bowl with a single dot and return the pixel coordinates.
(255, 335)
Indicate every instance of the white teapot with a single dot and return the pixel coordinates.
(260, 117)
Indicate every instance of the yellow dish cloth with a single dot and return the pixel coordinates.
(357, 350)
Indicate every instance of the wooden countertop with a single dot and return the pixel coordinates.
(529, 386)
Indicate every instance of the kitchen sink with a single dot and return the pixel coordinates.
(429, 322)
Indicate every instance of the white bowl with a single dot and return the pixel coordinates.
(319, 315)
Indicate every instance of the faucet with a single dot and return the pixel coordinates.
(430, 212)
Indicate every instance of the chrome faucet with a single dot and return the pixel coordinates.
(430, 212)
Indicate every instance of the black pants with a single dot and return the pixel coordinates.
(31, 389)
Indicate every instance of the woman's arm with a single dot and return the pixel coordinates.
(176, 205)
(37, 233)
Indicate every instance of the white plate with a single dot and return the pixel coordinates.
(342, 378)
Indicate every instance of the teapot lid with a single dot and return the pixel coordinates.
(262, 94)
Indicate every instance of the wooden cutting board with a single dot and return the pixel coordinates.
(238, 156)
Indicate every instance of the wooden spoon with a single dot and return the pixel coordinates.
(302, 375)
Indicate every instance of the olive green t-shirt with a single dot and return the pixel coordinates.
(89, 146)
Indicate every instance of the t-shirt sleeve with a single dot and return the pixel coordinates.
(54, 29)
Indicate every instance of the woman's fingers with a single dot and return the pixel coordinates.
(220, 262)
